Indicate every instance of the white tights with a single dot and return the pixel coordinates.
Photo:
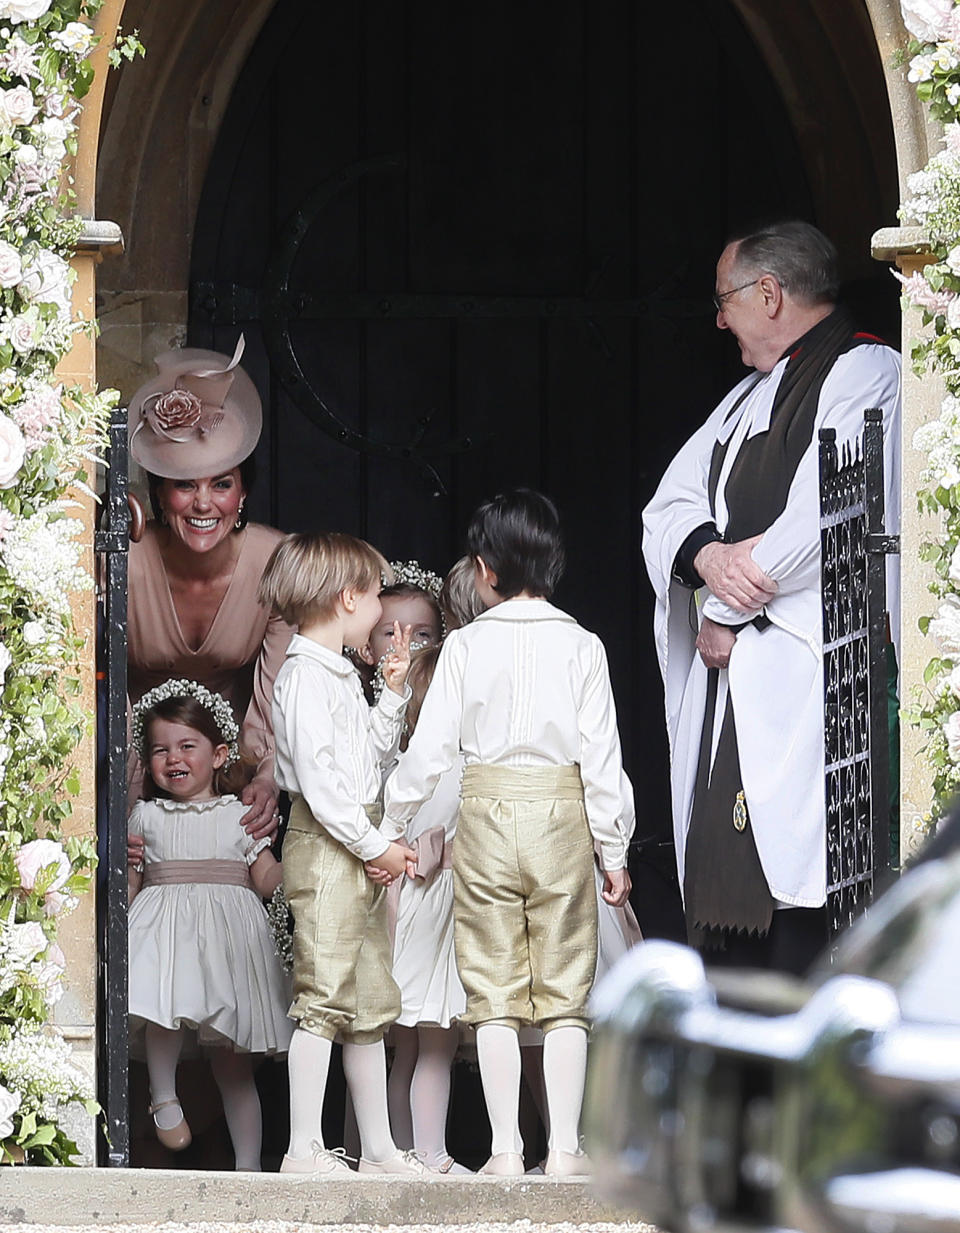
(430, 1091)
(233, 1073)
(564, 1067)
(365, 1068)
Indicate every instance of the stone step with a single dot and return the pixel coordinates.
(87, 1197)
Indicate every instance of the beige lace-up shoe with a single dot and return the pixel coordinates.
(322, 1162)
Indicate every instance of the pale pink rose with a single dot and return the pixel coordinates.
(46, 280)
(23, 332)
(17, 107)
(40, 854)
(951, 137)
(7, 523)
(11, 270)
(12, 450)
(9, 1104)
(928, 20)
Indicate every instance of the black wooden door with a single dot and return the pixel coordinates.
(472, 246)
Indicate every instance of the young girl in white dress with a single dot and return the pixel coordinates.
(201, 951)
(426, 1035)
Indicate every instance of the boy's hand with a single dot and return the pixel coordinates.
(396, 662)
(380, 876)
(393, 861)
(616, 887)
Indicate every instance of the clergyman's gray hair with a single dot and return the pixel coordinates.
(801, 259)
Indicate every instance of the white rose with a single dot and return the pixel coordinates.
(75, 37)
(53, 135)
(927, 20)
(9, 1104)
(953, 313)
(46, 280)
(951, 730)
(955, 567)
(23, 10)
(953, 259)
(11, 270)
(26, 942)
(34, 633)
(6, 659)
(16, 107)
(945, 628)
(12, 450)
(26, 155)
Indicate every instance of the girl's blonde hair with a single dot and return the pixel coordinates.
(306, 574)
(458, 598)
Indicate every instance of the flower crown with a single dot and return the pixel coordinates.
(215, 703)
(413, 574)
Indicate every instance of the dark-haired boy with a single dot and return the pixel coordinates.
(525, 692)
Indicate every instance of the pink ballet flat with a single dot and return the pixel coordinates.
(176, 1138)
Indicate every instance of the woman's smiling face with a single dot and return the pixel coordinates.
(201, 513)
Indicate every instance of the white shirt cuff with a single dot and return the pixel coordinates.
(392, 829)
(393, 702)
(372, 845)
(613, 856)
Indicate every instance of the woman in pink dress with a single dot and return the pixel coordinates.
(193, 576)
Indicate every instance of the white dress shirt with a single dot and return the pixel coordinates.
(330, 745)
(522, 685)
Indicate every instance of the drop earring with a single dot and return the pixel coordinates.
(238, 525)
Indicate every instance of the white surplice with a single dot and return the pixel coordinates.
(775, 677)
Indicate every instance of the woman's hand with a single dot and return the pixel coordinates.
(135, 853)
(396, 662)
(262, 818)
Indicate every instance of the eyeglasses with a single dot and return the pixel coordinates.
(721, 296)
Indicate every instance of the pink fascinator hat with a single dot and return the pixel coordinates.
(201, 415)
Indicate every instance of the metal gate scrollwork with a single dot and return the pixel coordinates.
(853, 577)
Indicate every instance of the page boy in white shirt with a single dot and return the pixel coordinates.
(329, 749)
(525, 692)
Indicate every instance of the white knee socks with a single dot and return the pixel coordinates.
(564, 1068)
(163, 1047)
(498, 1052)
(430, 1092)
(309, 1063)
(241, 1106)
(365, 1067)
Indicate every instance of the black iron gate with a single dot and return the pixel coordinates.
(855, 636)
(111, 546)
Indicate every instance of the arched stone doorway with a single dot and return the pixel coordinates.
(763, 112)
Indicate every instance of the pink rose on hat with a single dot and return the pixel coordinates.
(38, 855)
(12, 450)
(178, 409)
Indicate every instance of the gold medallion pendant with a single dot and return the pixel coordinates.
(740, 813)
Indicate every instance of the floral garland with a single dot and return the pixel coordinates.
(216, 703)
(49, 435)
